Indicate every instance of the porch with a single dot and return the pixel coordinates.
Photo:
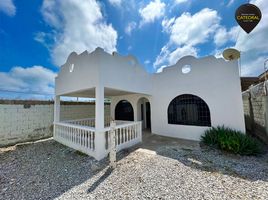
(91, 135)
(82, 135)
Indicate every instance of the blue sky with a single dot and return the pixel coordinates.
(37, 36)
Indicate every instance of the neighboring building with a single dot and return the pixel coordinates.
(246, 82)
(263, 76)
(182, 101)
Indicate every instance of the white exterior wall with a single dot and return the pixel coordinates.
(124, 73)
(133, 100)
(214, 80)
(100, 69)
(85, 73)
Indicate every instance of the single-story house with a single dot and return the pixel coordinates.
(182, 101)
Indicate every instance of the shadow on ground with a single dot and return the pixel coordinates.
(47, 169)
(190, 153)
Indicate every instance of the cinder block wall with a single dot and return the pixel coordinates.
(22, 121)
(79, 111)
(256, 111)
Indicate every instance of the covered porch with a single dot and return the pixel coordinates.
(91, 135)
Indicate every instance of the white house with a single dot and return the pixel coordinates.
(182, 101)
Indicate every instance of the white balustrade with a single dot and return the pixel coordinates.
(89, 121)
(127, 134)
(77, 137)
(80, 134)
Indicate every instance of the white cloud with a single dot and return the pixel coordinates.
(160, 69)
(254, 46)
(230, 3)
(186, 31)
(115, 2)
(77, 26)
(169, 57)
(7, 7)
(152, 11)
(130, 27)
(252, 65)
(218, 52)
(147, 62)
(180, 1)
(194, 29)
(223, 36)
(167, 23)
(30, 79)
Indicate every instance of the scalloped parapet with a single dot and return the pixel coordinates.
(88, 70)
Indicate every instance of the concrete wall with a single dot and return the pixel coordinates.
(135, 100)
(85, 70)
(214, 80)
(22, 121)
(99, 68)
(68, 112)
(255, 104)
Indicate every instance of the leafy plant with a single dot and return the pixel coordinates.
(232, 141)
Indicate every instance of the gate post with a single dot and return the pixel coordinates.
(112, 145)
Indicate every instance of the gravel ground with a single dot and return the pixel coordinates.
(48, 170)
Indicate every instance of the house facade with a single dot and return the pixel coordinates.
(181, 101)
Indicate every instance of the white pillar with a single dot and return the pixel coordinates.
(99, 123)
(135, 109)
(57, 108)
(99, 108)
(56, 112)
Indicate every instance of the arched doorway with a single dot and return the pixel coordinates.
(144, 112)
(124, 111)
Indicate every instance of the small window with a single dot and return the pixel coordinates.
(186, 69)
(71, 68)
(189, 109)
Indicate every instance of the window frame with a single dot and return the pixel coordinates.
(196, 111)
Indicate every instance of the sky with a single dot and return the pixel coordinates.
(37, 36)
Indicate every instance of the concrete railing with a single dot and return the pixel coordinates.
(78, 135)
(89, 121)
(81, 138)
(127, 134)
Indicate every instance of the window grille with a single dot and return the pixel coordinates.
(189, 109)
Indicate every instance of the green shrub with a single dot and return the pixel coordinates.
(232, 141)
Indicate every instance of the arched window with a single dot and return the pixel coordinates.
(124, 111)
(189, 109)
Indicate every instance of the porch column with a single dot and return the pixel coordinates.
(99, 123)
(56, 112)
(135, 109)
(57, 108)
(99, 108)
